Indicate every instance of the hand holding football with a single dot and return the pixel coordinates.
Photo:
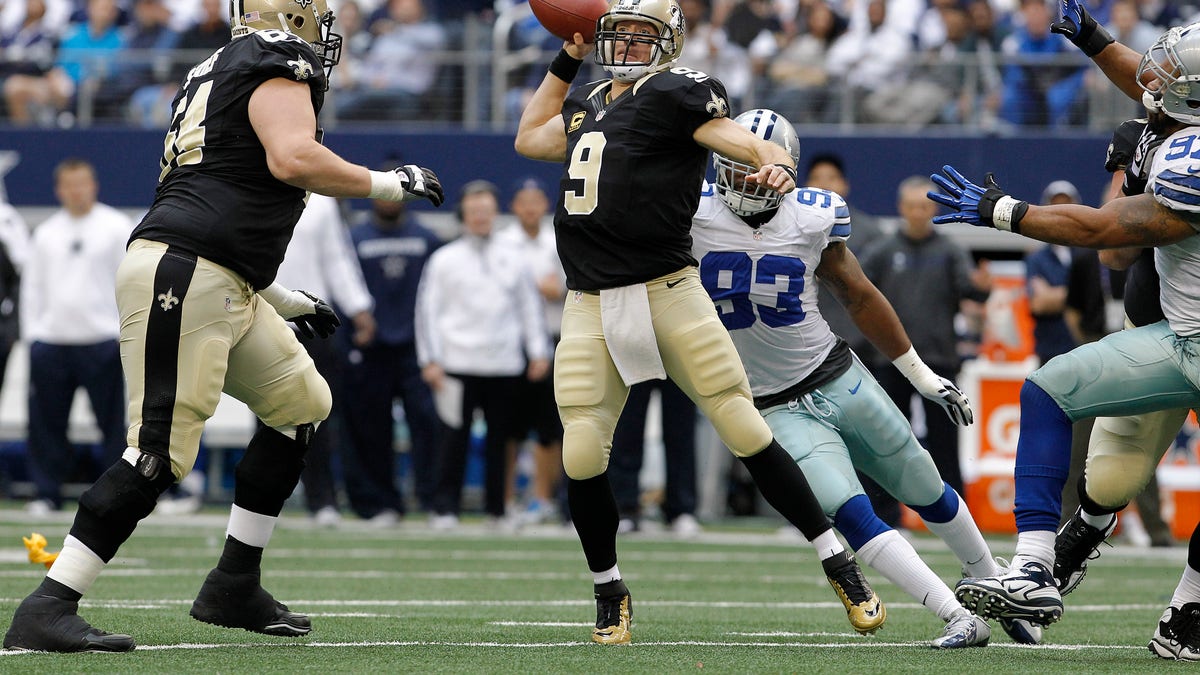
(564, 18)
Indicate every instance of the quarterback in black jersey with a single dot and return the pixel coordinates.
(201, 314)
(634, 151)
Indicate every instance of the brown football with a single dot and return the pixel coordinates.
(564, 18)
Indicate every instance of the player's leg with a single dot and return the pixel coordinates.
(1123, 453)
(1130, 372)
(173, 348)
(590, 394)
(699, 356)
(270, 372)
(1177, 635)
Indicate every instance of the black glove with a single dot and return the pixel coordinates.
(987, 206)
(1081, 29)
(322, 322)
(420, 183)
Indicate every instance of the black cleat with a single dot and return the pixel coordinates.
(1178, 634)
(1076, 544)
(614, 614)
(43, 623)
(239, 601)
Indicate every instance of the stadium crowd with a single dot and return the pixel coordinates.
(988, 64)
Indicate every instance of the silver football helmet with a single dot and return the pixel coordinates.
(1170, 74)
(744, 198)
(309, 20)
(666, 43)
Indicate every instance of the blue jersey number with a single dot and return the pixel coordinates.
(729, 275)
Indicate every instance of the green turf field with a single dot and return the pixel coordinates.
(741, 598)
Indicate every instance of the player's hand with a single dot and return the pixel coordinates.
(947, 394)
(778, 177)
(420, 183)
(577, 48)
(1080, 28)
(985, 206)
(320, 320)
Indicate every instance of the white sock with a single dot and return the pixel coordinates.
(1035, 546)
(76, 566)
(248, 527)
(1188, 589)
(611, 574)
(1098, 522)
(827, 544)
(892, 556)
(963, 537)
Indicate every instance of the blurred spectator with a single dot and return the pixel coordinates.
(14, 250)
(1129, 28)
(57, 15)
(26, 63)
(1164, 13)
(399, 68)
(755, 26)
(678, 428)
(480, 324)
(209, 33)
(800, 89)
(925, 275)
(709, 50)
(88, 52)
(320, 261)
(1110, 107)
(1047, 271)
(865, 59)
(1041, 86)
(538, 413)
(69, 318)
(981, 104)
(143, 62)
(393, 249)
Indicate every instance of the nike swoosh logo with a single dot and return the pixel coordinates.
(873, 612)
(673, 284)
(855, 389)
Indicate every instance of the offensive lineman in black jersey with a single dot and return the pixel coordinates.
(634, 150)
(200, 314)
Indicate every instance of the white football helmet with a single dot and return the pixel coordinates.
(309, 20)
(744, 198)
(1170, 74)
(666, 44)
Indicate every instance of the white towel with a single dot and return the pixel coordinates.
(629, 332)
(448, 401)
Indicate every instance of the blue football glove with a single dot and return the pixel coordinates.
(986, 206)
(1081, 29)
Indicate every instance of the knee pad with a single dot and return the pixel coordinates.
(1120, 461)
(126, 493)
(270, 470)
(737, 422)
(585, 450)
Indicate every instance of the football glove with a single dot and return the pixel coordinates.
(1081, 29)
(420, 183)
(986, 206)
(935, 388)
(312, 315)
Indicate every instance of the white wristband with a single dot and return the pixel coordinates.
(1002, 213)
(387, 185)
(913, 368)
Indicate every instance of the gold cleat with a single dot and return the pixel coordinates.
(614, 613)
(863, 608)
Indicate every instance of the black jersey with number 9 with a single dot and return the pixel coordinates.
(216, 197)
(632, 177)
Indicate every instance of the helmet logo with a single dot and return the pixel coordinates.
(303, 69)
(304, 3)
(717, 106)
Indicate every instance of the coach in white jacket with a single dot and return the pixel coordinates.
(478, 316)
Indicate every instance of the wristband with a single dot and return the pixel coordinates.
(913, 368)
(791, 171)
(564, 66)
(387, 185)
(1007, 214)
(1095, 42)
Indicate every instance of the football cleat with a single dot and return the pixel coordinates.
(614, 614)
(964, 630)
(1027, 592)
(1178, 634)
(47, 624)
(1022, 632)
(863, 608)
(1076, 544)
(239, 601)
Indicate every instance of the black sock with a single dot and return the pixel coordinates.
(58, 590)
(786, 489)
(1194, 549)
(240, 558)
(594, 512)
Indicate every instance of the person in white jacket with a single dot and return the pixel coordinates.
(479, 316)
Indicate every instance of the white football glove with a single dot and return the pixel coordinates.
(407, 183)
(935, 388)
(312, 315)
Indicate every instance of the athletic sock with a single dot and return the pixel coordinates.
(894, 557)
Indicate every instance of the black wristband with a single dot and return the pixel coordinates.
(1094, 42)
(564, 66)
(1019, 212)
(791, 171)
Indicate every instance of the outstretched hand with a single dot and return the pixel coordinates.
(1078, 26)
(985, 206)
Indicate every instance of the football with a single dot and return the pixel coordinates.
(564, 18)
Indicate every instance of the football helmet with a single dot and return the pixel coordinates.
(309, 20)
(665, 45)
(1170, 74)
(744, 198)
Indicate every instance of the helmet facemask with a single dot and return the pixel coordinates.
(309, 20)
(1170, 75)
(742, 197)
(665, 37)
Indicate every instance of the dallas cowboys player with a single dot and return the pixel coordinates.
(200, 314)
(761, 256)
(634, 150)
(1141, 370)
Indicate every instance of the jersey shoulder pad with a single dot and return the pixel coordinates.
(824, 207)
(281, 54)
(709, 206)
(695, 91)
(1124, 142)
(1176, 176)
